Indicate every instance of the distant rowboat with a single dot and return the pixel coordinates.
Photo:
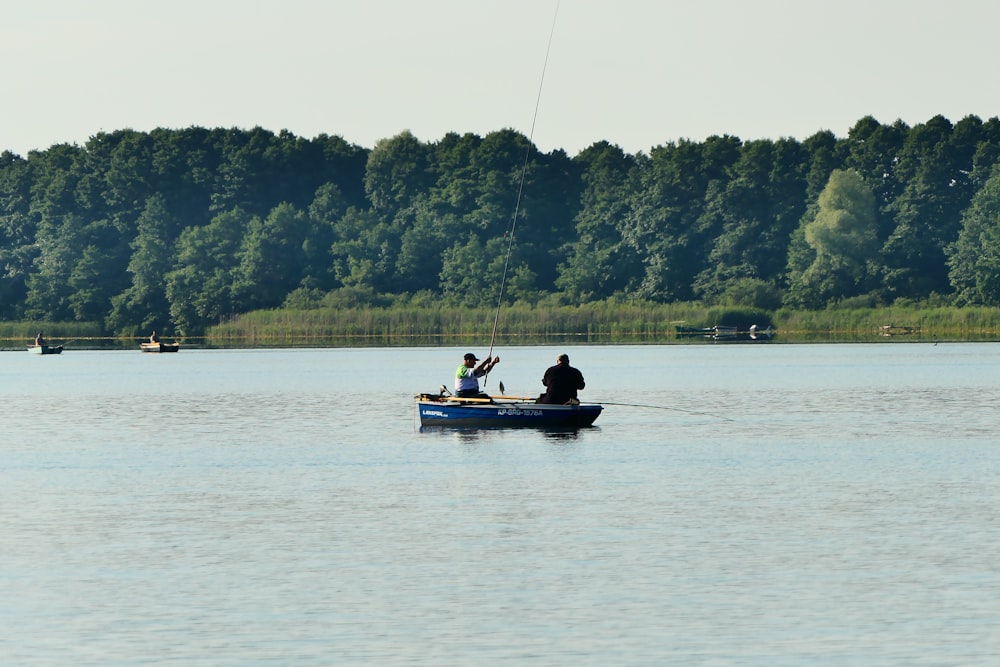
(45, 349)
(159, 347)
(725, 333)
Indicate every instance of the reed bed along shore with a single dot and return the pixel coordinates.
(599, 323)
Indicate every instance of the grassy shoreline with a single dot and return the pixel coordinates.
(598, 323)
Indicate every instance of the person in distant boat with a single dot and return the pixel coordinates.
(562, 381)
(40, 340)
(468, 374)
(154, 337)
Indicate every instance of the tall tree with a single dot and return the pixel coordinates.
(423, 245)
(200, 287)
(144, 305)
(757, 210)
(671, 221)
(598, 263)
(328, 206)
(473, 272)
(926, 214)
(873, 150)
(398, 170)
(843, 242)
(17, 234)
(271, 259)
(364, 252)
(974, 258)
(986, 158)
(60, 244)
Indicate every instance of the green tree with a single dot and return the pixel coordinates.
(843, 241)
(819, 161)
(671, 219)
(933, 168)
(986, 158)
(472, 273)
(422, 247)
(364, 252)
(271, 259)
(482, 184)
(143, 305)
(549, 205)
(200, 287)
(873, 150)
(91, 291)
(243, 178)
(17, 234)
(129, 180)
(185, 164)
(328, 206)
(757, 209)
(598, 262)
(398, 170)
(974, 258)
(60, 245)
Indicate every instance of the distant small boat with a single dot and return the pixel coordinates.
(502, 412)
(45, 349)
(159, 347)
(897, 330)
(725, 333)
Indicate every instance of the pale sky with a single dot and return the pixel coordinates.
(637, 73)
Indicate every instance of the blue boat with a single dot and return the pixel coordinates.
(502, 412)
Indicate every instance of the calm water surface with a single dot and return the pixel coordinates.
(735, 505)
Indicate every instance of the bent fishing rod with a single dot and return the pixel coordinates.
(520, 190)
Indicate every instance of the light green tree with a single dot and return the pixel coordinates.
(841, 242)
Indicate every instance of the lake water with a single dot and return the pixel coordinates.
(757, 504)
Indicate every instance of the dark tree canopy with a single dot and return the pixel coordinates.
(178, 229)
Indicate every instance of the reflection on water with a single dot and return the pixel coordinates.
(476, 434)
(751, 505)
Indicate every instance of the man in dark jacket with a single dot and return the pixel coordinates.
(562, 382)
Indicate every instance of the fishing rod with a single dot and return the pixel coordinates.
(520, 189)
(667, 407)
(630, 405)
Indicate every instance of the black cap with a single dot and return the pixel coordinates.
(469, 355)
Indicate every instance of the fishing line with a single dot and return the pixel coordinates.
(667, 407)
(520, 188)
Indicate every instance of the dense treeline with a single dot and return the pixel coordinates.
(179, 229)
